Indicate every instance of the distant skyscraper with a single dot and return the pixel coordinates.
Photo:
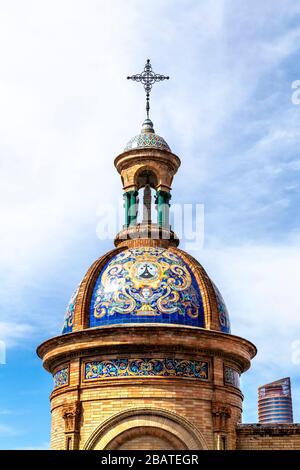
(275, 402)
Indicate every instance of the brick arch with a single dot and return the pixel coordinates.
(160, 425)
(146, 438)
(160, 171)
(143, 172)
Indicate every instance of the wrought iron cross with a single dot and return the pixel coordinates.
(148, 78)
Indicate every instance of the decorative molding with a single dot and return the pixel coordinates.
(145, 367)
(162, 337)
(262, 430)
(221, 413)
(71, 414)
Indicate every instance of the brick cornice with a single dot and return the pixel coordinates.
(267, 429)
(128, 338)
(125, 159)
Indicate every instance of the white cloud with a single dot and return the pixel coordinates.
(11, 333)
(260, 285)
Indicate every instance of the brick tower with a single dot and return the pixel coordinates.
(146, 359)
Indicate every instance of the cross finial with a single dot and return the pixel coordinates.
(148, 78)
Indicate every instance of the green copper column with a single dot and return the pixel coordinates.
(158, 202)
(163, 208)
(126, 197)
(133, 210)
(166, 211)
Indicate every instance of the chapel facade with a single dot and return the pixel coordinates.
(146, 359)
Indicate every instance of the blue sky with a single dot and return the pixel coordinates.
(66, 110)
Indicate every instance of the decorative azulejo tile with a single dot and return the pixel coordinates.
(146, 140)
(69, 315)
(223, 312)
(141, 367)
(231, 377)
(146, 285)
(61, 377)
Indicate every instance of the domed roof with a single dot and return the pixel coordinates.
(147, 139)
(148, 285)
(69, 313)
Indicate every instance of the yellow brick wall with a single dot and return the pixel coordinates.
(204, 410)
(146, 442)
(275, 437)
(190, 399)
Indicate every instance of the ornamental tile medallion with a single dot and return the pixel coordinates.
(146, 285)
(61, 377)
(145, 367)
